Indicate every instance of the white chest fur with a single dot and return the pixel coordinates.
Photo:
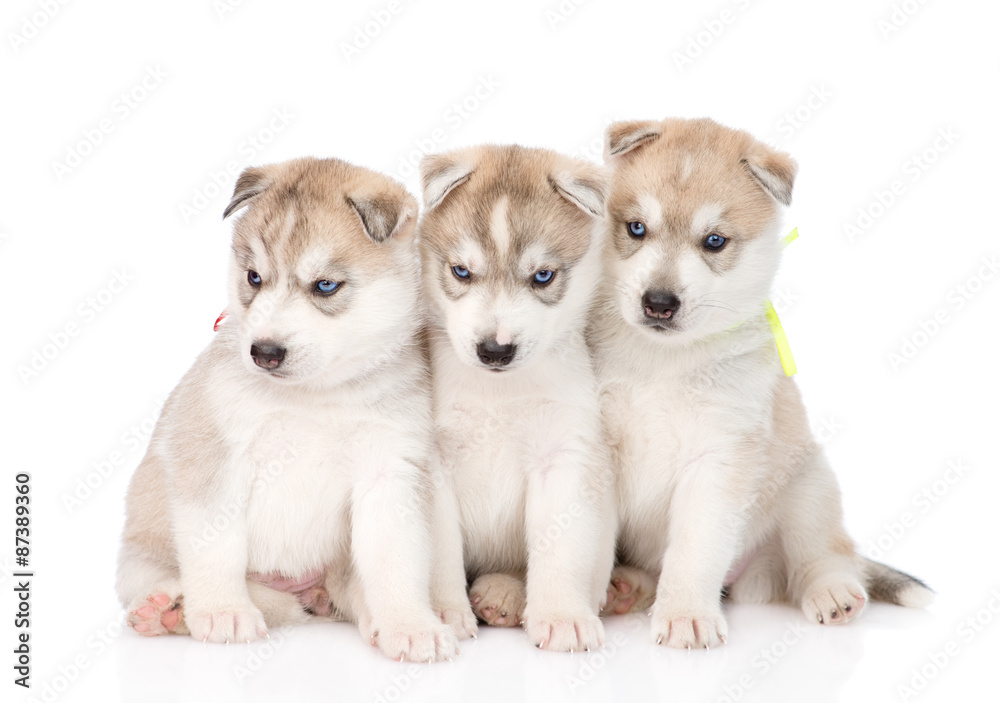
(672, 413)
(498, 432)
(298, 501)
(297, 460)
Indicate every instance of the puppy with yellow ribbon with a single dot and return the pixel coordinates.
(721, 486)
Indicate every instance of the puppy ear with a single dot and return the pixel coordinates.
(385, 215)
(583, 185)
(622, 137)
(442, 173)
(773, 170)
(251, 183)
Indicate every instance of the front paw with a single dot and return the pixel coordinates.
(241, 623)
(559, 633)
(417, 642)
(689, 629)
(460, 618)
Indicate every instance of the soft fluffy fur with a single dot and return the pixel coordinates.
(523, 463)
(268, 493)
(720, 482)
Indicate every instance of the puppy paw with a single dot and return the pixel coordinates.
(316, 601)
(243, 623)
(498, 599)
(630, 589)
(460, 618)
(157, 614)
(562, 634)
(834, 602)
(685, 630)
(424, 642)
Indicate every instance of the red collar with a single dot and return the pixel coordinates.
(218, 321)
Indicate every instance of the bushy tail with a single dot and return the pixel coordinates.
(891, 586)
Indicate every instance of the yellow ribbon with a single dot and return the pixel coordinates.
(780, 340)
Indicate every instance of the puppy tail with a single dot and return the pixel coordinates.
(891, 586)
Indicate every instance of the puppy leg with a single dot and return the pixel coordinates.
(151, 594)
(148, 579)
(448, 581)
(393, 558)
(213, 567)
(630, 590)
(823, 573)
(705, 528)
(499, 599)
(570, 553)
(161, 610)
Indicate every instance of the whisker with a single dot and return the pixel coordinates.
(708, 302)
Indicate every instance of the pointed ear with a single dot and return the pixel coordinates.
(251, 183)
(385, 215)
(773, 170)
(622, 137)
(582, 184)
(442, 173)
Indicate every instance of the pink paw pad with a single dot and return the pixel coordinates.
(631, 590)
(498, 599)
(495, 616)
(620, 597)
(316, 600)
(160, 615)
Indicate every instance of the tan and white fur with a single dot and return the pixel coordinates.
(287, 476)
(720, 482)
(525, 484)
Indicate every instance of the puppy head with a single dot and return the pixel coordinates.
(509, 244)
(693, 221)
(323, 276)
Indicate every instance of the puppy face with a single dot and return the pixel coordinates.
(692, 218)
(505, 245)
(323, 275)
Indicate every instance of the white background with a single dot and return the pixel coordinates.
(214, 81)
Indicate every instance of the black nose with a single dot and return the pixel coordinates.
(493, 354)
(267, 356)
(659, 304)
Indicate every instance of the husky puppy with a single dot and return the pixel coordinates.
(510, 244)
(289, 467)
(720, 482)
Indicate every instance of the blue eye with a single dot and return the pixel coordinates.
(544, 277)
(327, 287)
(636, 229)
(715, 241)
(253, 277)
(460, 272)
